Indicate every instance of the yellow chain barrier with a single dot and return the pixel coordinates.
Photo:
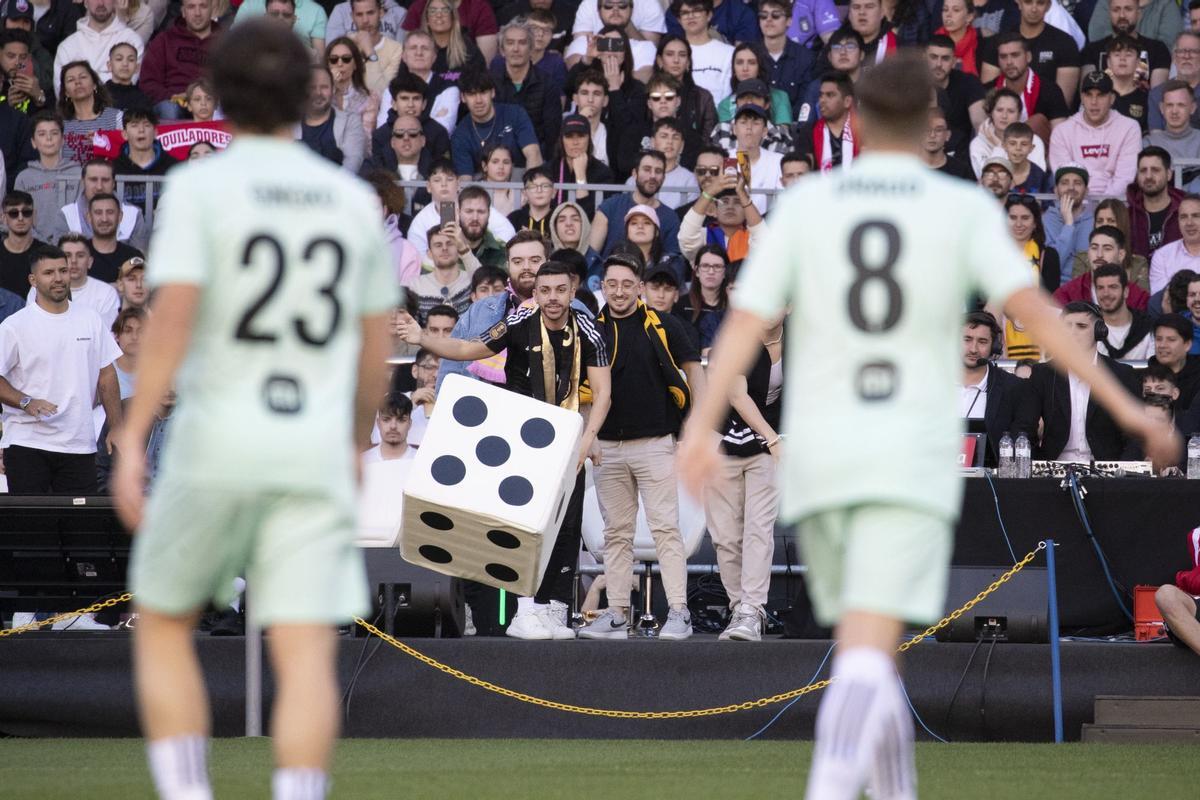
(761, 702)
(94, 607)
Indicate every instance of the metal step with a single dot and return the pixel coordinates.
(1152, 711)
(1139, 734)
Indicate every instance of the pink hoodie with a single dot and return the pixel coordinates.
(1108, 151)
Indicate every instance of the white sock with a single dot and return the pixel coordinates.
(296, 783)
(525, 605)
(859, 721)
(893, 769)
(179, 766)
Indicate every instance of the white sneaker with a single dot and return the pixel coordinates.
(555, 621)
(84, 622)
(23, 618)
(530, 624)
(745, 626)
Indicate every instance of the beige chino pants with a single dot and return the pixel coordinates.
(741, 508)
(644, 467)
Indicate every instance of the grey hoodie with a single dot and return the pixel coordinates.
(51, 190)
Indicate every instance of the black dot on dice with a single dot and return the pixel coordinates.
(501, 573)
(516, 491)
(439, 522)
(503, 539)
(492, 451)
(448, 470)
(431, 552)
(470, 411)
(537, 432)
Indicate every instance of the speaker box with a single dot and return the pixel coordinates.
(414, 601)
(1016, 612)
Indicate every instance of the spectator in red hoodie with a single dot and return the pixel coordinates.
(1177, 603)
(175, 58)
(1106, 245)
(1153, 203)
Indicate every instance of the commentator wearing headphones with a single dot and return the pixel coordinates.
(1074, 428)
(988, 397)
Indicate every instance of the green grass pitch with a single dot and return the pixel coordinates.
(99, 769)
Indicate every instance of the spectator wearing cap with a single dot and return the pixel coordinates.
(933, 148)
(175, 58)
(642, 231)
(1177, 136)
(1104, 142)
(789, 63)
(519, 82)
(489, 123)
(723, 215)
(656, 370)
(99, 296)
(58, 22)
(575, 161)
(142, 155)
(750, 64)
(1106, 245)
(831, 138)
(92, 40)
(534, 215)
(667, 137)
(131, 284)
(1182, 254)
(608, 225)
(997, 176)
(757, 96)
(1070, 218)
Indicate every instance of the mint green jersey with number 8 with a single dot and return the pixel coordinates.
(289, 254)
(877, 264)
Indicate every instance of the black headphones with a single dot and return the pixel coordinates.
(984, 318)
(1100, 329)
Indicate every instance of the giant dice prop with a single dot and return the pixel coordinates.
(490, 485)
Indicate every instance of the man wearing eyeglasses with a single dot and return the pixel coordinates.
(646, 20)
(733, 20)
(712, 59)
(846, 53)
(792, 63)
(19, 245)
(1185, 58)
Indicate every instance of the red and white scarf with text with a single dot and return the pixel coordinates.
(823, 145)
(1029, 97)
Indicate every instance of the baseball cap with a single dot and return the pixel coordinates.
(752, 86)
(1072, 167)
(1096, 81)
(19, 9)
(575, 123)
(662, 273)
(646, 211)
(752, 108)
(997, 161)
(130, 265)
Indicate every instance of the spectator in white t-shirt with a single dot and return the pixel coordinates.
(712, 60)
(424, 370)
(766, 167)
(442, 185)
(96, 295)
(393, 420)
(56, 357)
(667, 138)
(615, 14)
(646, 19)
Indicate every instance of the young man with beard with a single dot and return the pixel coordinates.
(608, 227)
(637, 446)
(1055, 57)
(577, 354)
(18, 247)
(474, 209)
(1130, 332)
(108, 254)
(1043, 105)
(394, 419)
(1153, 204)
(99, 178)
(55, 358)
(85, 291)
(1124, 17)
(441, 186)
(1106, 245)
(831, 139)
(1181, 254)
(959, 94)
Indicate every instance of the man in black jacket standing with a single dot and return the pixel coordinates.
(1075, 429)
(988, 393)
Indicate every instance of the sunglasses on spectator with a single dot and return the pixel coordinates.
(660, 96)
(13, 213)
(702, 172)
(764, 15)
(347, 59)
(405, 134)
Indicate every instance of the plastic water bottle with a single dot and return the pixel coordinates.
(1008, 466)
(1024, 459)
(1194, 457)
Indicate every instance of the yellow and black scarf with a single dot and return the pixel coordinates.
(677, 385)
(544, 378)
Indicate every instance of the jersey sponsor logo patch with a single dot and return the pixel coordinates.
(877, 381)
(283, 395)
(1094, 150)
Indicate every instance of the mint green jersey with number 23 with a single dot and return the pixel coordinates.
(289, 254)
(877, 263)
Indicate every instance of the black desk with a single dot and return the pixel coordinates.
(1142, 525)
